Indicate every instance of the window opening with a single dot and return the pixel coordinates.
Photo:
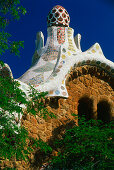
(85, 108)
(104, 111)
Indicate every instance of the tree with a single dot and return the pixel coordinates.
(9, 10)
(13, 137)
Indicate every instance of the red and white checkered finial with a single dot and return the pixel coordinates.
(58, 16)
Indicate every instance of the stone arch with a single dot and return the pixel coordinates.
(92, 70)
(85, 107)
(104, 111)
(91, 81)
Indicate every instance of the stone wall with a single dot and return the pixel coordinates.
(92, 83)
(90, 89)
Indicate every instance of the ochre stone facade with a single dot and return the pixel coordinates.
(89, 88)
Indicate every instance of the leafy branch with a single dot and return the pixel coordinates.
(9, 10)
(13, 137)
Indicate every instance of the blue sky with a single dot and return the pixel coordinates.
(93, 19)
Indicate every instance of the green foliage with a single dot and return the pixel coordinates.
(88, 146)
(2, 63)
(37, 102)
(11, 95)
(9, 10)
(4, 41)
(12, 8)
(44, 147)
(13, 138)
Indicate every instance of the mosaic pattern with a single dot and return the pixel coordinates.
(51, 53)
(6, 71)
(63, 56)
(61, 35)
(71, 46)
(51, 92)
(108, 68)
(35, 80)
(62, 87)
(57, 92)
(96, 63)
(69, 53)
(58, 16)
(95, 48)
(51, 70)
(44, 68)
(64, 93)
(64, 50)
(61, 91)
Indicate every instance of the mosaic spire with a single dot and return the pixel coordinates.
(58, 16)
(52, 62)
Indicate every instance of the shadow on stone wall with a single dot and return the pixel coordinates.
(53, 102)
(39, 156)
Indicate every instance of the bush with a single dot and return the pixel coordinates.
(87, 146)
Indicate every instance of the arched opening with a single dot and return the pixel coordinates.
(85, 108)
(104, 111)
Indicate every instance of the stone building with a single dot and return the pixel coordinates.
(77, 82)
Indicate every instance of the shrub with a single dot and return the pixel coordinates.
(87, 146)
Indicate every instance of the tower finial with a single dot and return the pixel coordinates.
(58, 16)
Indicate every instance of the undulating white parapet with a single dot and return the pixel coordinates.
(52, 63)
